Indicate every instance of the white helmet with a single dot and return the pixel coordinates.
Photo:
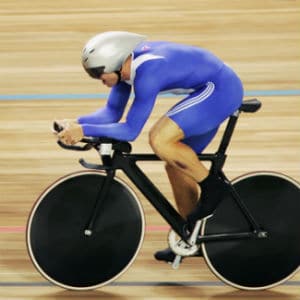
(106, 52)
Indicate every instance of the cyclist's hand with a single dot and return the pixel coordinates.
(71, 134)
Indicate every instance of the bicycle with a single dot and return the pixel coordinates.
(86, 229)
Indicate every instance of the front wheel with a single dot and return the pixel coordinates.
(273, 200)
(56, 242)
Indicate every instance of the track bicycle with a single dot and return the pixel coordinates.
(87, 228)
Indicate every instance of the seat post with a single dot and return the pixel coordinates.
(228, 133)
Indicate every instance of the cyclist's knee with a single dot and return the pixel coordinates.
(160, 144)
(164, 134)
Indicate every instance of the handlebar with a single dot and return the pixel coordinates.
(85, 147)
(92, 142)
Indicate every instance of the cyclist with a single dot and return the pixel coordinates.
(126, 62)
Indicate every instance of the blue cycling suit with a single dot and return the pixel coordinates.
(213, 92)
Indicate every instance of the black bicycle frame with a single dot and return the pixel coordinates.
(128, 164)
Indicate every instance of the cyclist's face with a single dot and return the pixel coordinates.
(109, 79)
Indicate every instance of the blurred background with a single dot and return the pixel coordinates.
(41, 79)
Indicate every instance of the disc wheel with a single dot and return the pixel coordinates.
(274, 201)
(56, 241)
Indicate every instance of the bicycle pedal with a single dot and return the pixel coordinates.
(176, 262)
(179, 246)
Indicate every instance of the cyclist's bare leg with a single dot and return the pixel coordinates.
(165, 140)
(183, 168)
(185, 190)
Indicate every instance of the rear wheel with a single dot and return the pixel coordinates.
(56, 241)
(274, 201)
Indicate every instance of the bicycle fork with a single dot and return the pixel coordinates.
(102, 193)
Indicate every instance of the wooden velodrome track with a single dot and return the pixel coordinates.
(40, 45)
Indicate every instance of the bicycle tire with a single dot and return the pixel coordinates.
(56, 242)
(255, 264)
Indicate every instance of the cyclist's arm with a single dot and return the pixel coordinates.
(146, 90)
(114, 108)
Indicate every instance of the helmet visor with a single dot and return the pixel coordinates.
(95, 72)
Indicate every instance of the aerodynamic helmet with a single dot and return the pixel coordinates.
(107, 51)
